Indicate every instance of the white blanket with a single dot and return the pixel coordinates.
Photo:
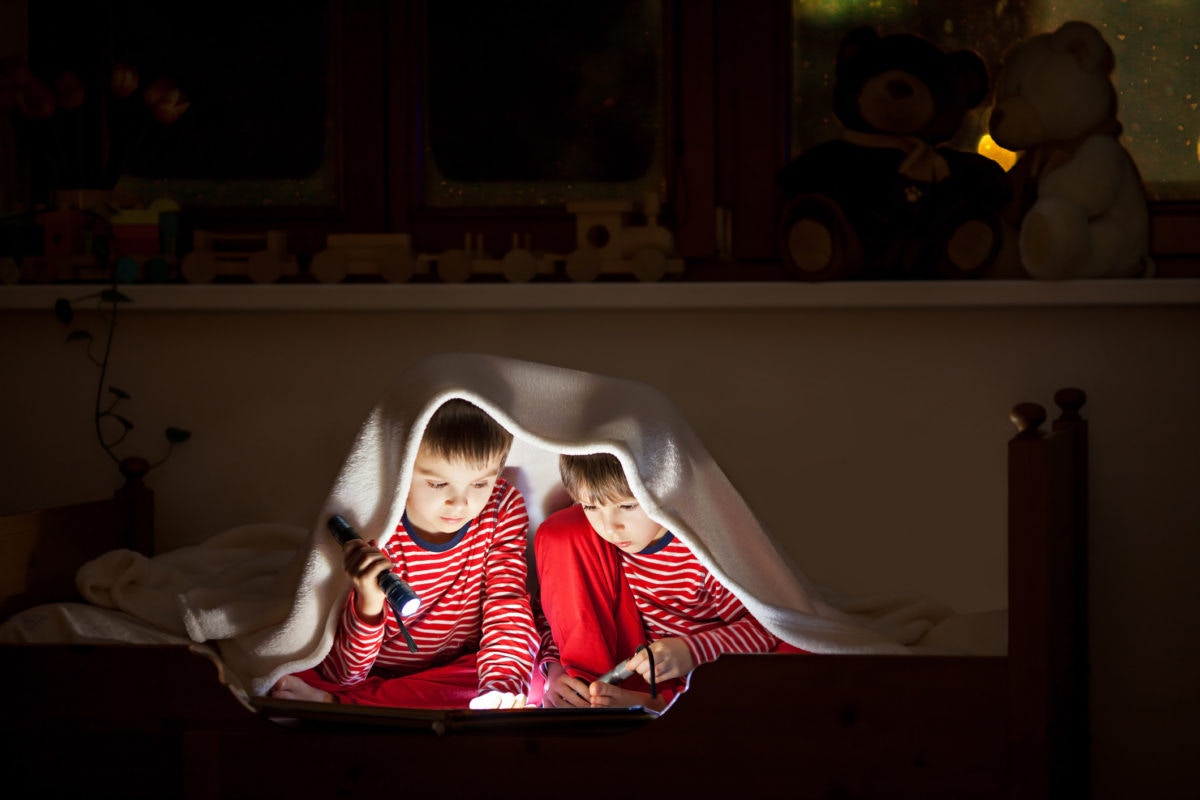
(269, 596)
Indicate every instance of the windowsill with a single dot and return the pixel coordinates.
(624, 295)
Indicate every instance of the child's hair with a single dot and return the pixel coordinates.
(597, 477)
(461, 431)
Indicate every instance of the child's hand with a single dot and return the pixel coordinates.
(672, 659)
(605, 695)
(563, 691)
(496, 699)
(364, 562)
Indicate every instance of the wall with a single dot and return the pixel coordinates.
(869, 441)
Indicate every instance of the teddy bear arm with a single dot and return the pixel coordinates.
(1091, 178)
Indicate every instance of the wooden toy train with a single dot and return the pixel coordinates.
(145, 247)
(606, 243)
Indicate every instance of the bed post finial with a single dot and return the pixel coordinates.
(1070, 400)
(134, 468)
(1027, 417)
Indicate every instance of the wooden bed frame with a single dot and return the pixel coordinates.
(155, 721)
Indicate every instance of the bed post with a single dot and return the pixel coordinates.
(137, 501)
(1070, 423)
(1047, 651)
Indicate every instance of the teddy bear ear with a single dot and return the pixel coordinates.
(970, 77)
(1086, 44)
(854, 42)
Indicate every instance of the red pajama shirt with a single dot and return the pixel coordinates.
(474, 630)
(600, 603)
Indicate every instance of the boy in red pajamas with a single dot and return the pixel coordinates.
(461, 546)
(603, 596)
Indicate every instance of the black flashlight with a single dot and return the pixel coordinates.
(400, 596)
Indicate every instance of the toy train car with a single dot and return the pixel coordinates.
(261, 257)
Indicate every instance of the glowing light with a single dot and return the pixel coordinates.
(825, 11)
(989, 149)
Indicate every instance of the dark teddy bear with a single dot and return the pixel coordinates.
(886, 201)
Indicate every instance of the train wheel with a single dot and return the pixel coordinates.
(328, 266)
(454, 266)
(584, 266)
(649, 264)
(519, 265)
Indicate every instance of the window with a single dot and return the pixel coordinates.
(494, 127)
(283, 125)
(1157, 49)
(536, 104)
(256, 129)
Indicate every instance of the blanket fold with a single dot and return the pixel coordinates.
(269, 596)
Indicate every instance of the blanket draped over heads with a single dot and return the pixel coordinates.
(287, 622)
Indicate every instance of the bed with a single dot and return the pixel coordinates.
(159, 720)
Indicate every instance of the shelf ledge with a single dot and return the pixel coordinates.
(611, 296)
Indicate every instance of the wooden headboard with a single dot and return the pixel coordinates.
(42, 556)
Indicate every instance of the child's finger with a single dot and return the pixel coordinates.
(367, 563)
(570, 691)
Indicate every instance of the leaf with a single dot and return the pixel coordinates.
(177, 435)
(63, 311)
(113, 296)
(120, 393)
(126, 424)
(79, 336)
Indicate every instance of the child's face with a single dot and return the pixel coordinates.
(623, 523)
(445, 495)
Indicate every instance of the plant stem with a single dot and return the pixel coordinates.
(112, 327)
(170, 447)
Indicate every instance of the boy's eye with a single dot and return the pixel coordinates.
(436, 485)
(589, 508)
(480, 485)
(628, 506)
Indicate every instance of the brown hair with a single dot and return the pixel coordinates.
(461, 431)
(597, 477)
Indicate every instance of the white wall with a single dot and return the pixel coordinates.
(870, 442)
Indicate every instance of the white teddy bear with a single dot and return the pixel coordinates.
(1080, 202)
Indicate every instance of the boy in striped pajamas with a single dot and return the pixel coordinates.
(612, 579)
(461, 546)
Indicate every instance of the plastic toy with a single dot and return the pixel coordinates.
(147, 242)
